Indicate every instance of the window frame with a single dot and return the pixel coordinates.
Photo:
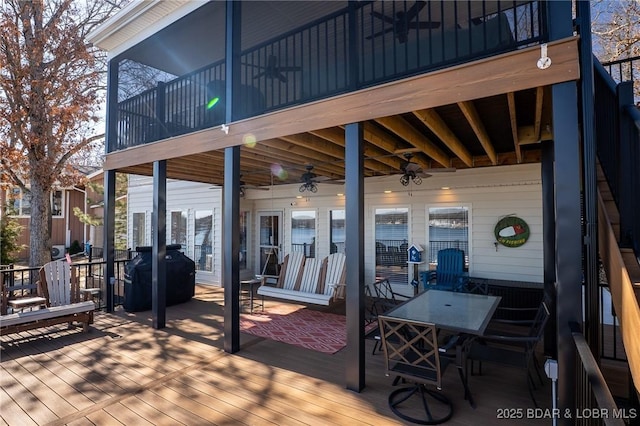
(468, 253)
(313, 250)
(11, 194)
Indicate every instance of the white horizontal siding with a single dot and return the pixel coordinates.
(490, 194)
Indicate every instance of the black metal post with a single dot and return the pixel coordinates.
(231, 192)
(568, 237)
(549, 246)
(354, 249)
(231, 249)
(109, 220)
(159, 250)
(590, 197)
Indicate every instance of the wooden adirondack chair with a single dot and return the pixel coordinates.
(59, 286)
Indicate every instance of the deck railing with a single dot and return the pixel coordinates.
(594, 403)
(618, 146)
(353, 48)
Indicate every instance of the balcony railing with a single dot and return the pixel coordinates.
(594, 403)
(341, 52)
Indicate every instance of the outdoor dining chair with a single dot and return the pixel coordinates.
(384, 292)
(513, 349)
(411, 354)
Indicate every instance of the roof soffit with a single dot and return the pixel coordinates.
(138, 21)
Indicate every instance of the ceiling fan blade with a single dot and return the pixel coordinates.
(440, 170)
(424, 25)
(291, 68)
(379, 33)
(283, 78)
(260, 74)
(385, 18)
(414, 10)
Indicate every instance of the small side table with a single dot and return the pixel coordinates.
(248, 299)
(92, 294)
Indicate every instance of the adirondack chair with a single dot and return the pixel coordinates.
(59, 286)
(449, 273)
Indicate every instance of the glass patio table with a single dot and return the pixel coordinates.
(457, 312)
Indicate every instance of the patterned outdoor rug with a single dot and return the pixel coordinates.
(315, 330)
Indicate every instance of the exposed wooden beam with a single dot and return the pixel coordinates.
(402, 128)
(527, 135)
(316, 143)
(298, 156)
(472, 116)
(511, 98)
(538, 116)
(436, 124)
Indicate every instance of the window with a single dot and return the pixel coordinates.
(303, 232)
(138, 230)
(56, 203)
(20, 202)
(337, 234)
(392, 235)
(448, 228)
(179, 228)
(203, 238)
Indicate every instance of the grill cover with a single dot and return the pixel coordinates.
(181, 278)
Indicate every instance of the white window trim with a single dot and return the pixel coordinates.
(63, 201)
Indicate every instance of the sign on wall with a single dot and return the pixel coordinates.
(511, 231)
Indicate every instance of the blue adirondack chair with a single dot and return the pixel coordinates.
(449, 274)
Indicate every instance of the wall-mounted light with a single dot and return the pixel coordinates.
(298, 196)
(340, 194)
(445, 187)
(386, 191)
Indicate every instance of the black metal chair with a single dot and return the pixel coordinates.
(513, 349)
(384, 292)
(374, 306)
(411, 354)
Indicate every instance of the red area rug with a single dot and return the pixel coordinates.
(315, 330)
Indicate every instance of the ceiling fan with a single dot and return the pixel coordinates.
(273, 71)
(402, 22)
(244, 187)
(411, 172)
(310, 180)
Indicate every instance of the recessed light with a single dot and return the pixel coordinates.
(445, 187)
(386, 191)
(339, 194)
(298, 196)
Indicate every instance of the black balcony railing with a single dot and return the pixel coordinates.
(617, 132)
(344, 51)
(592, 392)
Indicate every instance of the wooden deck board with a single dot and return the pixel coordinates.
(125, 372)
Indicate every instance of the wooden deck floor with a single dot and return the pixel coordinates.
(125, 372)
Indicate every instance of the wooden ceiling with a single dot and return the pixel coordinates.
(488, 113)
(498, 130)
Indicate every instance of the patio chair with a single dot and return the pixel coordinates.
(385, 293)
(449, 274)
(411, 354)
(374, 306)
(59, 286)
(513, 349)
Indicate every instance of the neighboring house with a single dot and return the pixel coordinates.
(65, 226)
(307, 94)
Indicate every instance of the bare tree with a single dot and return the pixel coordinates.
(615, 25)
(50, 89)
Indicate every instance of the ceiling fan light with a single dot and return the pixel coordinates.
(417, 180)
(404, 180)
